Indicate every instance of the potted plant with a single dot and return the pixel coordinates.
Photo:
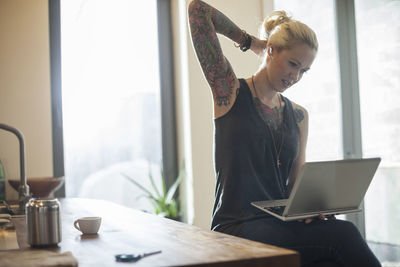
(163, 202)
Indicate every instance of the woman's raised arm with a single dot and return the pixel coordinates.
(205, 22)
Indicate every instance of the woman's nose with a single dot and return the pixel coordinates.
(295, 76)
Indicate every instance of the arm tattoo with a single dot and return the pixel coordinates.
(299, 115)
(205, 22)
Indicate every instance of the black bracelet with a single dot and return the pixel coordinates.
(247, 43)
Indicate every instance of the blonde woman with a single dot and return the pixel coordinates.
(261, 136)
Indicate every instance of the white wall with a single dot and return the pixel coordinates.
(195, 122)
(25, 87)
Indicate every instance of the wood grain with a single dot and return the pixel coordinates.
(125, 230)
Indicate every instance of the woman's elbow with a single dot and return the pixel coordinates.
(192, 7)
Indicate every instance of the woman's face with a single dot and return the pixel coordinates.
(286, 67)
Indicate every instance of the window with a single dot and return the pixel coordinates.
(111, 97)
(114, 107)
(378, 33)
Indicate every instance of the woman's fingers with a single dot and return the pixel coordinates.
(258, 46)
(320, 216)
(327, 217)
(331, 217)
(307, 221)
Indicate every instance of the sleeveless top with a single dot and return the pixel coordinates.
(245, 159)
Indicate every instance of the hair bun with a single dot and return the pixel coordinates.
(283, 32)
(274, 19)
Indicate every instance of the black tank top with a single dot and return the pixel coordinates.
(245, 159)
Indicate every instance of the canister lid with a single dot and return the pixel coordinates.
(47, 203)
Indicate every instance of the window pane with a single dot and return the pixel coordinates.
(378, 40)
(319, 89)
(111, 97)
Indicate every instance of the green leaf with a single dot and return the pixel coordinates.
(174, 187)
(164, 204)
(173, 209)
(157, 210)
(2, 175)
(163, 181)
(152, 182)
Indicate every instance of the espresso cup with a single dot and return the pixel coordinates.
(88, 225)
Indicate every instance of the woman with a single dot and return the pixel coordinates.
(260, 137)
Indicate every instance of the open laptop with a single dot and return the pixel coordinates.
(325, 187)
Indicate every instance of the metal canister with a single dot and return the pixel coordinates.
(43, 221)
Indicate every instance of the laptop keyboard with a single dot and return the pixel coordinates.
(277, 210)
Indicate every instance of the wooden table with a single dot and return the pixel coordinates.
(125, 230)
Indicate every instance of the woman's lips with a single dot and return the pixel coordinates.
(286, 83)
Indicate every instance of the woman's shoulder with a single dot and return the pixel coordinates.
(297, 106)
(300, 112)
(243, 86)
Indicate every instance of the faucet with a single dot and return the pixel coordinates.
(23, 189)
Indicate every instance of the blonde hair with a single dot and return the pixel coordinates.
(283, 32)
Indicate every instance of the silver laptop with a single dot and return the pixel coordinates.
(325, 187)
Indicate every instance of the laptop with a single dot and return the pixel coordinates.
(325, 187)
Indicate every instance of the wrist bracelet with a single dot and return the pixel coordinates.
(245, 42)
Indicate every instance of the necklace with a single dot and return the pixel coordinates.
(277, 152)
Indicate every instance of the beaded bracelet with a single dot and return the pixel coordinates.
(245, 42)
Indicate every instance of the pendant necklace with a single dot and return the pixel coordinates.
(277, 152)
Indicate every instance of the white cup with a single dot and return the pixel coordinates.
(88, 225)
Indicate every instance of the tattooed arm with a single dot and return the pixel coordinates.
(301, 116)
(205, 22)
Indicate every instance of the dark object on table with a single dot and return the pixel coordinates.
(133, 257)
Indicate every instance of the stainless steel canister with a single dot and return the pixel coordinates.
(43, 221)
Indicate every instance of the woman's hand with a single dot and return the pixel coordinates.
(321, 217)
(258, 46)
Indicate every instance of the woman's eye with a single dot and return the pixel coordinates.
(293, 64)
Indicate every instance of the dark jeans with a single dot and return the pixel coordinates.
(319, 243)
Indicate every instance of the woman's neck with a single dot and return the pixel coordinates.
(264, 90)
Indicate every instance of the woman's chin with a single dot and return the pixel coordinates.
(281, 89)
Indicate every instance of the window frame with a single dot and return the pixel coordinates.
(350, 91)
(56, 93)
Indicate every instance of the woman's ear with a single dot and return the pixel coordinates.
(269, 51)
